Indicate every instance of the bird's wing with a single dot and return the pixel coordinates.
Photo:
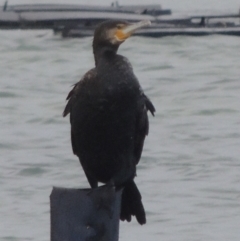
(72, 96)
(142, 126)
(149, 105)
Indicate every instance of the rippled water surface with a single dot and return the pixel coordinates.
(189, 175)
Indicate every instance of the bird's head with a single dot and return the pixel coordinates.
(110, 34)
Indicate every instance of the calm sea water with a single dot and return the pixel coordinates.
(189, 175)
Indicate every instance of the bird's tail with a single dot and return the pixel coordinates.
(132, 203)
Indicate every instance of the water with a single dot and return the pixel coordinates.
(189, 175)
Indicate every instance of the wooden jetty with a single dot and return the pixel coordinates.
(201, 25)
(157, 33)
(48, 16)
(160, 32)
(150, 9)
(169, 26)
(81, 20)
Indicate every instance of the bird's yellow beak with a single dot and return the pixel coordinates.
(125, 32)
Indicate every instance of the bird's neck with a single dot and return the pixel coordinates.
(104, 52)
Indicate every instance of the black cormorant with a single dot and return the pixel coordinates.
(108, 116)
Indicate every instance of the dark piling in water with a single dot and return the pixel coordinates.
(85, 214)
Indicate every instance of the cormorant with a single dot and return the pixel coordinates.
(108, 116)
